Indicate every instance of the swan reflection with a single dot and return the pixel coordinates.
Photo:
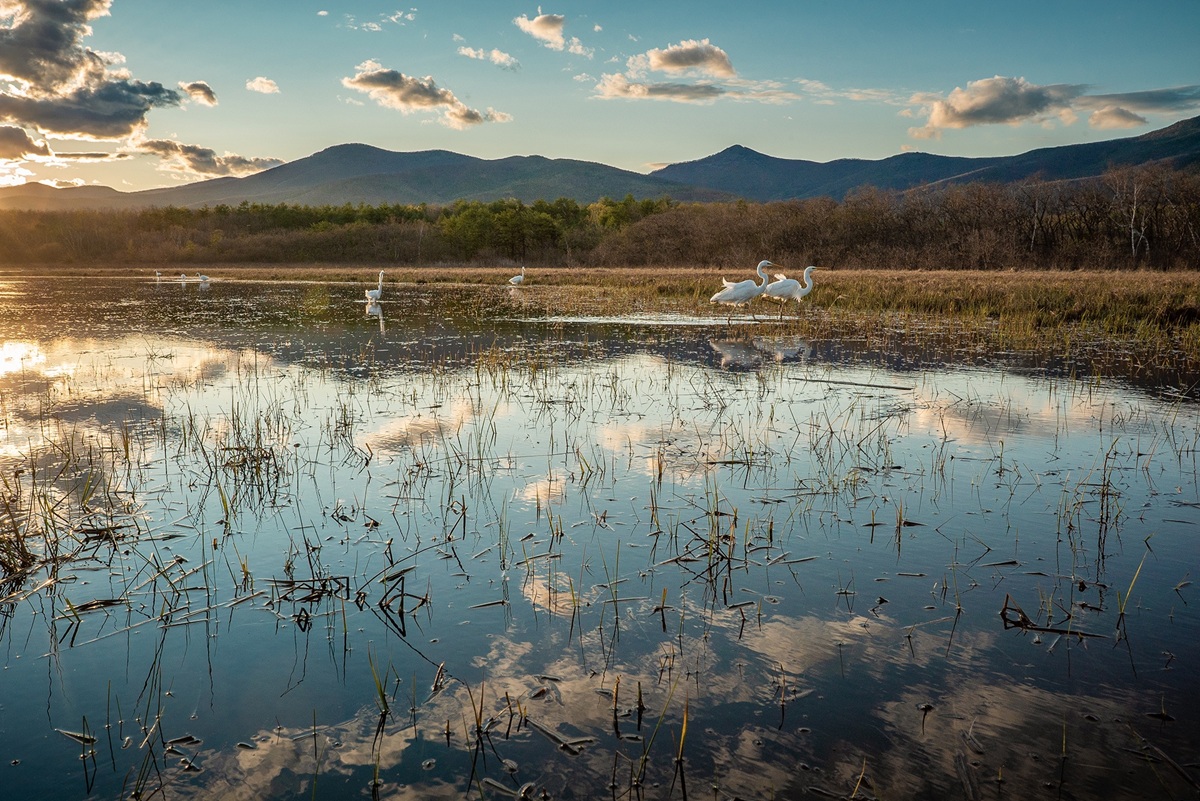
(375, 309)
(784, 349)
(733, 353)
(752, 353)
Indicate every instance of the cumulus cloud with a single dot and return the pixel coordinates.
(497, 57)
(1001, 100)
(405, 93)
(60, 87)
(690, 55)
(202, 161)
(111, 109)
(262, 85)
(1005, 100)
(1114, 117)
(200, 92)
(702, 73)
(547, 28)
(16, 143)
(41, 47)
(613, 86)
(13, 174)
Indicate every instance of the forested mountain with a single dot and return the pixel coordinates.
(754, 176)
(361, 174)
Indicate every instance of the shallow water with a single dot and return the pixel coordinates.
(262, 541)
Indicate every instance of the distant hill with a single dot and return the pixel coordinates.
(39, 197)
(358, 173)
(754, 176)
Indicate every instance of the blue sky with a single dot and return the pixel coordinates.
(136, 94)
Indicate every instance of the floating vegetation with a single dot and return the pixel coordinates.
(481, 552)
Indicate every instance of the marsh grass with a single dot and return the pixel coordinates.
(1129, 320)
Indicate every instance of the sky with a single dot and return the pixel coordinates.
(138, 94)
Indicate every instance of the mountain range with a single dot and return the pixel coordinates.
(359, 173)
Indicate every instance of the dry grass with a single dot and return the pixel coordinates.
(1151, 318)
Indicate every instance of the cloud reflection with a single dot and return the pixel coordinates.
(419, 428)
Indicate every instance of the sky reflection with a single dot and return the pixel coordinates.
(262, 533)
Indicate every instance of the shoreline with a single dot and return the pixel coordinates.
(1142, 316)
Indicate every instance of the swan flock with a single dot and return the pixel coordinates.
(782, 289)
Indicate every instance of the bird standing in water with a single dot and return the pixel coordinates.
(373, 294)
(784, 289)
(742, 292)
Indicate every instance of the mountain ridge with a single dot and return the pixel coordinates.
(766, 178)
(359, 173)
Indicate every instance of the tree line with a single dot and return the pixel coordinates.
(1130, 217)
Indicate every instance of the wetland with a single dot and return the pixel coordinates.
(262, 540)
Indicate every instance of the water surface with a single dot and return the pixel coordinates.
(264, 541)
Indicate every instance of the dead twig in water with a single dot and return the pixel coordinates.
(1015, 618)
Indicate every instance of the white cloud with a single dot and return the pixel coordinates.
(691, 55)
(497, 57)
(407, 94)
(13, 174)
(1001, 100)
(402, 17)
(613, 86)
(576, 48)
(547, 28)
(1005, 100)
(376, 25)
(1114, 117)
(702, 71)
(262, 85)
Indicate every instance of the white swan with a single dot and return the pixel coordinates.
(784, 289)
(373, 294)
(742, 292)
